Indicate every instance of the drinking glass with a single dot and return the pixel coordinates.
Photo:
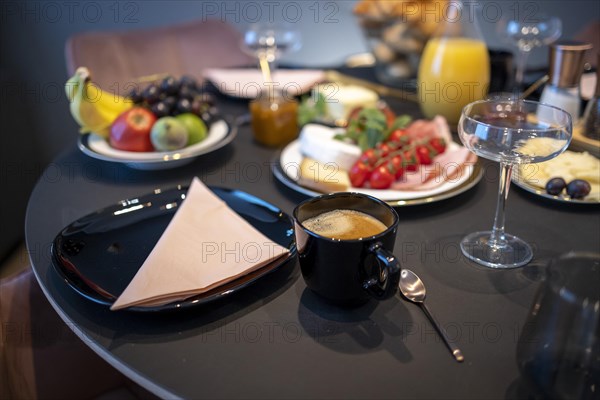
(511, 132)
(268, 42)
(527, 32)
(559, 346)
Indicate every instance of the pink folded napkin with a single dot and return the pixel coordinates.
(205, 245)
(248, 83)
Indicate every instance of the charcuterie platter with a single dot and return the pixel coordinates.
(410, 162)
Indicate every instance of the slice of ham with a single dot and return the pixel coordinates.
(424, 129)
(446, 167)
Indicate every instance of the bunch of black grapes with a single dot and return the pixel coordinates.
(173, 96)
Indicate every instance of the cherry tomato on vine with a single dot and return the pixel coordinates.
(369, 157)
(359, 173)
(438, 144)
(381, 177)
(399, 136)
(409, 160)
(396, 162)
(384, 149)
(423, 155)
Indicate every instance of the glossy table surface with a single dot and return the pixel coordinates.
(275, 339)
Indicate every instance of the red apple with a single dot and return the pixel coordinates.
(131, 130)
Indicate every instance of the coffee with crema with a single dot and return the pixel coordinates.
(344, 225)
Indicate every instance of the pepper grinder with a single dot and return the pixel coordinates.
(566, 67)
(591, 116)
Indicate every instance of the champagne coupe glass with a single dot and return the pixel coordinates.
(527, 32)
(268, 42)
(511, 132)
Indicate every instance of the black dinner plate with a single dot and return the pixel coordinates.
(99, 254)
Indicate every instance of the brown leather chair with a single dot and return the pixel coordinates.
(117, 58)
(41, 358)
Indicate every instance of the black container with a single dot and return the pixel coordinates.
(559, 346)
(348, 272)
(501, 71)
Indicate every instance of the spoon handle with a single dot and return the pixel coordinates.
(453, 349)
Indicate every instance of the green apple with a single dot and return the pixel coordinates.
(196, 128)
(168, 134)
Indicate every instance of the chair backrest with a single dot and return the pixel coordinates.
(116, 59)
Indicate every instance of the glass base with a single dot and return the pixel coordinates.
(511, 253)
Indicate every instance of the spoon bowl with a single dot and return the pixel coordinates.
(412, 287)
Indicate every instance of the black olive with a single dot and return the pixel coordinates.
(578, 188)
(555, 186)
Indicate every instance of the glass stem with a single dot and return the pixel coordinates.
(521, 63)
(497, 238)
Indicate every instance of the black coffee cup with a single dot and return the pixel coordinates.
(348, 272)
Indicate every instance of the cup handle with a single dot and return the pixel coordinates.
(383, 286)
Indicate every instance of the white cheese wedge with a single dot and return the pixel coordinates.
(317, 142)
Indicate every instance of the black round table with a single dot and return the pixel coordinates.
(275, 339)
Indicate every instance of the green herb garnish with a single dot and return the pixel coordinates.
(311, 108)
(370, 127)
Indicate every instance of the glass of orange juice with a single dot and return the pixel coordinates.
(455, 65)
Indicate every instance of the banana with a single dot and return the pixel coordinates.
(93, 108)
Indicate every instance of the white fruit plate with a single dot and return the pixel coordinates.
(220, 133)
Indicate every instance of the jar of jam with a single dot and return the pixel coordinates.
(274, 119)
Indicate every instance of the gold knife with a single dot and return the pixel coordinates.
(335, 76)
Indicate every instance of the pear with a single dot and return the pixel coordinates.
(168, 134)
